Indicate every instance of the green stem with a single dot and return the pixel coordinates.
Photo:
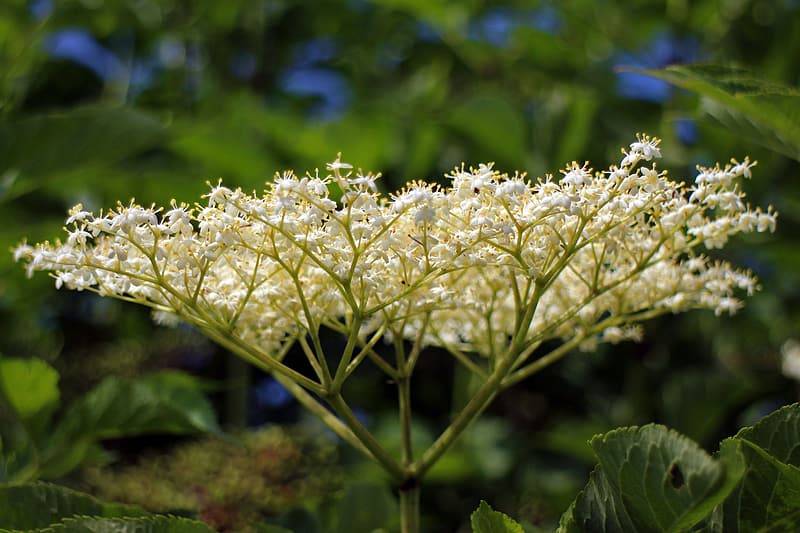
(409, 509)
(352, 339)
(404, 397)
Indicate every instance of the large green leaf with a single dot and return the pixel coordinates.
(487, 520)
(19, 458)
(145, 524)
(651, 479)
(38, 505)
(598, 507)
(768, 113)
(768, 498)
(778, 434)
(54, 143)
(166, 402)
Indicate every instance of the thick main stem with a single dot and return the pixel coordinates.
(409, 508)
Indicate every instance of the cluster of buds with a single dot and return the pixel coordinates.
(490, 266)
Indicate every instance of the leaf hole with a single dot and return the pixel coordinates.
(676, 476)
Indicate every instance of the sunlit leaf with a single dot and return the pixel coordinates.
(487, 520)
(766, 112)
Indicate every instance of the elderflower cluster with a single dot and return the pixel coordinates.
(490, 262)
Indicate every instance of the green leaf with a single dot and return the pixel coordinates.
(768, 113)
(28, 396)
(146, 524)
(30, 386)
(598, 507)
(778, 434)
(651, 479)
(38, 505)
(487, 520)
(55, 143)
(19, 458)
(768, 498)
(166, 402)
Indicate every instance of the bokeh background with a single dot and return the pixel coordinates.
(104, 100)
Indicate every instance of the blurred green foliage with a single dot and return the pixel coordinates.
(103, 100)
(230, 484)
(33, 445)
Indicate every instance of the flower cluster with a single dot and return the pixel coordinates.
(491, 264)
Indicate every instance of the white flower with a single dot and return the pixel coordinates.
(337, 164)
(164, 318)
(576, 175)
(218, 195)
(647, 147)
(77, 214)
